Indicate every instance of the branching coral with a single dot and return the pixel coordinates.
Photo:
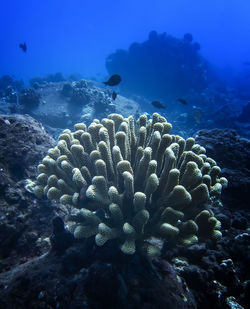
(132, 183)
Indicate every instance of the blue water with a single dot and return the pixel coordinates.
(77, 35)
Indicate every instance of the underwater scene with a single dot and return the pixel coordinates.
(125, 154)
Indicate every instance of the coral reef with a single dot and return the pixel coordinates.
(206, 275)
(75, 96)
(63, 104)
(30, 99)
(132, 184)
(9, 91)
(49, 78)
(233, 151)
(23, 144)
(82, 93)
(161, 67)
(7, 82)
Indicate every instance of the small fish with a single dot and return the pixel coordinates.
(23, 47)
(113, 80)
(182, 101)
(158, 104)
(114, 95)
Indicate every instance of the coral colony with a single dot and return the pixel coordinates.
(132, 183)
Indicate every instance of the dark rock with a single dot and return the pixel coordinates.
(102, 284)
(24, 219)
(30, 99)
(61, 239)
(196, 278)
(137, 284)
(23, 143)
(67, 90)
(224, 220)
(246, 295)
(240, 223)
(74, 259)
(232, 153)
(227, 273)
(9, 236)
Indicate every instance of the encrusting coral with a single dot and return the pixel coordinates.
(132, 183)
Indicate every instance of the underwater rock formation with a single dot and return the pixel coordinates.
(30, 99)
(50, 78)
(83, 93)
(7, 82)
(132, 184)
(160, 67)
(80, 279)
(23, 144)
(233, 151)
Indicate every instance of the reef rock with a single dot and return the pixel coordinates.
(79, 279)
(57, 104)
(160, 67)
(23, 143)
(232, 153)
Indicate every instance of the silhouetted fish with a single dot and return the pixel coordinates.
(113, 80)
(182, 101)
(23, 47)
(158, 104)
(114, 95)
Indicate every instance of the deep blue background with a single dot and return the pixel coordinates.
(77, 35)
